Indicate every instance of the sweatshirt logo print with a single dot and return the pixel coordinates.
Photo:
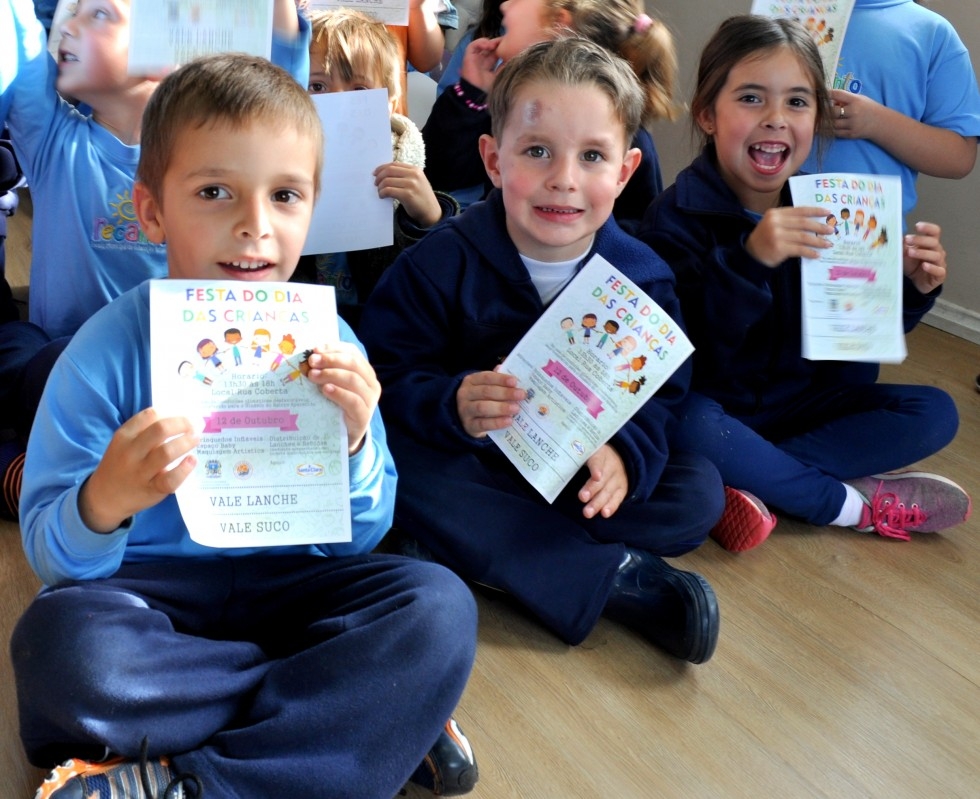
(120, 226)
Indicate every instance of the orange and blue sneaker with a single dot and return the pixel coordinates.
(745, 523)
(117, 779)
(901, 503)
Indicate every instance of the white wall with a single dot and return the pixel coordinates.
(955, 204)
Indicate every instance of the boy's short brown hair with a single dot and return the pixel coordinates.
(230, 88)
(568, 61)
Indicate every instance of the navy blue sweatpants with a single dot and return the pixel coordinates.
(795, 457)
(264, 676)
(479, 516)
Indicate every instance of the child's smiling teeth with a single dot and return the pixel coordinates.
(768, 155)
(549, 210)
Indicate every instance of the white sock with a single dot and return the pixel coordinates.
(850, 512)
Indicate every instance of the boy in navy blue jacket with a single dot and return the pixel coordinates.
(456, 303)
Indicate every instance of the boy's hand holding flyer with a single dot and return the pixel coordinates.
(595, 356)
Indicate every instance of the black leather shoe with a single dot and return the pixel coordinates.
(450, 768)
(676, 610)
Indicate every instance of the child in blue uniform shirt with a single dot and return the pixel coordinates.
(905, 98)
(87, 246)
(452, 306)
(296, 671)
(799, 435)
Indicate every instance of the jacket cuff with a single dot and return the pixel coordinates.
(447, 204)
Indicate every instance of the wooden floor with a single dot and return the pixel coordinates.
(848, 665)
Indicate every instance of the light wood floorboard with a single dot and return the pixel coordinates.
(848, 665)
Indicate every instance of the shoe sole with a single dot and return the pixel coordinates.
(706, 610)
(742, 526)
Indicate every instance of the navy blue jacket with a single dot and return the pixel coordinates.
(459, 301)
(452, 134)
(744, 318)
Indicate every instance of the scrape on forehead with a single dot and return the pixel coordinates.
(532, 110)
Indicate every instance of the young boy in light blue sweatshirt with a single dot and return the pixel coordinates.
(318, 670)
(87, 245)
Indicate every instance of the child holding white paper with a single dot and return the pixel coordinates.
(564, 114)
(783, 430)
(350, 51)
(166, 668)
(87, 246)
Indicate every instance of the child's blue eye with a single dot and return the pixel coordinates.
(536, 151)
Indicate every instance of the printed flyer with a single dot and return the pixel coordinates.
(166, 35)
(272, 460)
(595, 356)
(852, 293)
(390, 12)
(826, 21)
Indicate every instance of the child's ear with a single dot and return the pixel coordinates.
(491, 158)
(562, 20)
(148, 213)
(631, 160)
(706, 121)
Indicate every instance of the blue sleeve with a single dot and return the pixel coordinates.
(22, 42)
(68, 446)
(408, 331)
(293, 55)
(34, 110)
(712, 267)
(953, 100)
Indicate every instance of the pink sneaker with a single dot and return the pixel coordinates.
(745, 523)
(901, 503)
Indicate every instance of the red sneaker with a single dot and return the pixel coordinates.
(745, 523)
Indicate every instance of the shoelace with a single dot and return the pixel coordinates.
(175, 786)
(891, 518)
